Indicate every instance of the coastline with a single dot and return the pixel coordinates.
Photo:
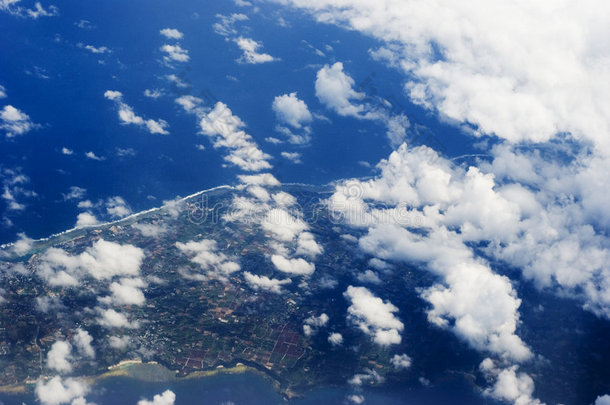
(142, 371)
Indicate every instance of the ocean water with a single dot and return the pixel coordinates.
(60, 86)
(249, 389)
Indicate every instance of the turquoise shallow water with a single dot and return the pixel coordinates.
(249, 389)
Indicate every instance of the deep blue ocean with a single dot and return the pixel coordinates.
(60, 86)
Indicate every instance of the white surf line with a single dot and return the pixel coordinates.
(120, 220)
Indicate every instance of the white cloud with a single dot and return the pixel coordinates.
(128, 116)
(58, 391)
(85, 219)
(102, 261)
(12, 7)
(2, 91)
(227, 131)
(336, 339)
(82, 339)
(401, 361)
(509, 385)
(109, 318)
(369, 276)
(283, 225)
(291, 110)
(117, 207)
(153, 93)
(250, 51)
(75, 193)
(59, 358)
(205, 253)
(91, 155)
(294, 157)
(117, 342)
(127, 292)
(66, 151)
(150, 230)
(603, 400)
(15, 122)
(95, 50)
(175, 53)
(374, 316)
(307, 245)
(334, 88)
(265, 283)
(226, 24)
(263, 179)
(356, 399)
(171, 33)
(166, 398)
(293, 266)
(313, 323)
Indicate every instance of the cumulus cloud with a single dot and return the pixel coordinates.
(110, 318)
(294, 157)
(291, 110)
(603, 400)
(150, 230)
(128, 116)
(297, 266)
(91, 155)
(313, 323)
(59, 358)
(171, 33)
(85, 219)
(119, 342)
(374, 316)
(265, 283)
(205, 253)
(175, 53)
(102, 261)
(75, 193)
(250, 54)
(127, 292)
(117, 207)
(14, 122)
(263, 179)
(82, 340)
(335, 339)
(165, 398)
(227, 132)
(509, 385)
(58, 391)
(2, 91)
(401, 361)
(334, 88)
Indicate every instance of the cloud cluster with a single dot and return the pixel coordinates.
(14, 122)
(227, 132)
(293, 115)
(334, 89)
(102, 261)
(205, 253)
(225, 26)
(59, 391)
(374, 316)
(509, 384)
(13, 7)
(313, 323)
(265, 283)
(127, 115)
